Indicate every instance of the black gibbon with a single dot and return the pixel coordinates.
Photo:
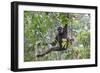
(61, 42)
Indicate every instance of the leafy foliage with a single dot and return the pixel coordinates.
(40, 28)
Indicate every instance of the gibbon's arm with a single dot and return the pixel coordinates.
(65, 28)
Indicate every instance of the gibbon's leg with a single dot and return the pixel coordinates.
(50, 48)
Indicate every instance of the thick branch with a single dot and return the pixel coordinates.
(54, 48)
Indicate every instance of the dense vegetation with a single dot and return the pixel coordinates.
(40, 28)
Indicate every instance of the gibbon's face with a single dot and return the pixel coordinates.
(60, 30)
